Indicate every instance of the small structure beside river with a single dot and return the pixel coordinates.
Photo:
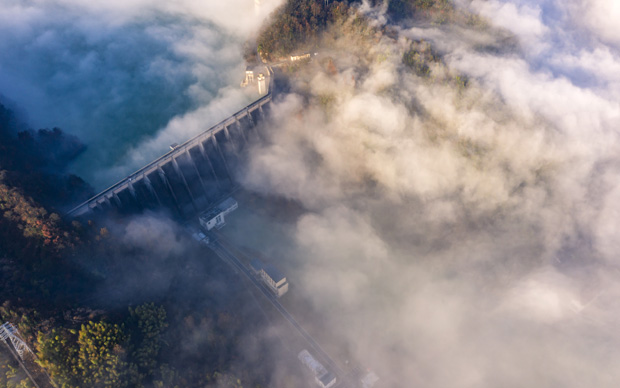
(215, 217)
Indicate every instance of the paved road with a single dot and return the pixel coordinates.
(221, 250)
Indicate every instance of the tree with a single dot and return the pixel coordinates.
(297, 23)
(100, 355)
(146, 323)
(92, 357)
(58, 354)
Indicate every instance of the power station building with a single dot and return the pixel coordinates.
(249, 77)
(256, 76)
(322, 376)
(214, 217)
(270, 276)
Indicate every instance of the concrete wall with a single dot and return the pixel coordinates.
(190, 178)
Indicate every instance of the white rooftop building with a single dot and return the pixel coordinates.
(256, 75)
(249, 77)
(271, 276)
(214, 217)
(295, 58)
(322, 376)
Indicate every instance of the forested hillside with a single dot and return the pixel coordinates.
(297, 24)
(400, 9)
(93, 304)
(35, 242)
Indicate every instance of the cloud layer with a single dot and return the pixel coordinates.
(461, 236)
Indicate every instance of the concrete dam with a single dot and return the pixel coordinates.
(191, 177)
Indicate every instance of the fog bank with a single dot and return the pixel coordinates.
(461, 233)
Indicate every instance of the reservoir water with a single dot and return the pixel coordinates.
(127, 82)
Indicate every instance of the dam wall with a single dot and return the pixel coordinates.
(191, 177)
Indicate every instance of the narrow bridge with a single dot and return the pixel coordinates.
(189, 178)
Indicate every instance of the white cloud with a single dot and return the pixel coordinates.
(460, 238)
(600, 17)
(523, 20)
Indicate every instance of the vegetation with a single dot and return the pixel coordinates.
(438, 10)
(92, 356)
(105, 354)
(31, 219)
(147, 322)
(297, 24)
(35, 241)
(11, 376)
(419, 56)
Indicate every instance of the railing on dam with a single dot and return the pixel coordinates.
(191, 176)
